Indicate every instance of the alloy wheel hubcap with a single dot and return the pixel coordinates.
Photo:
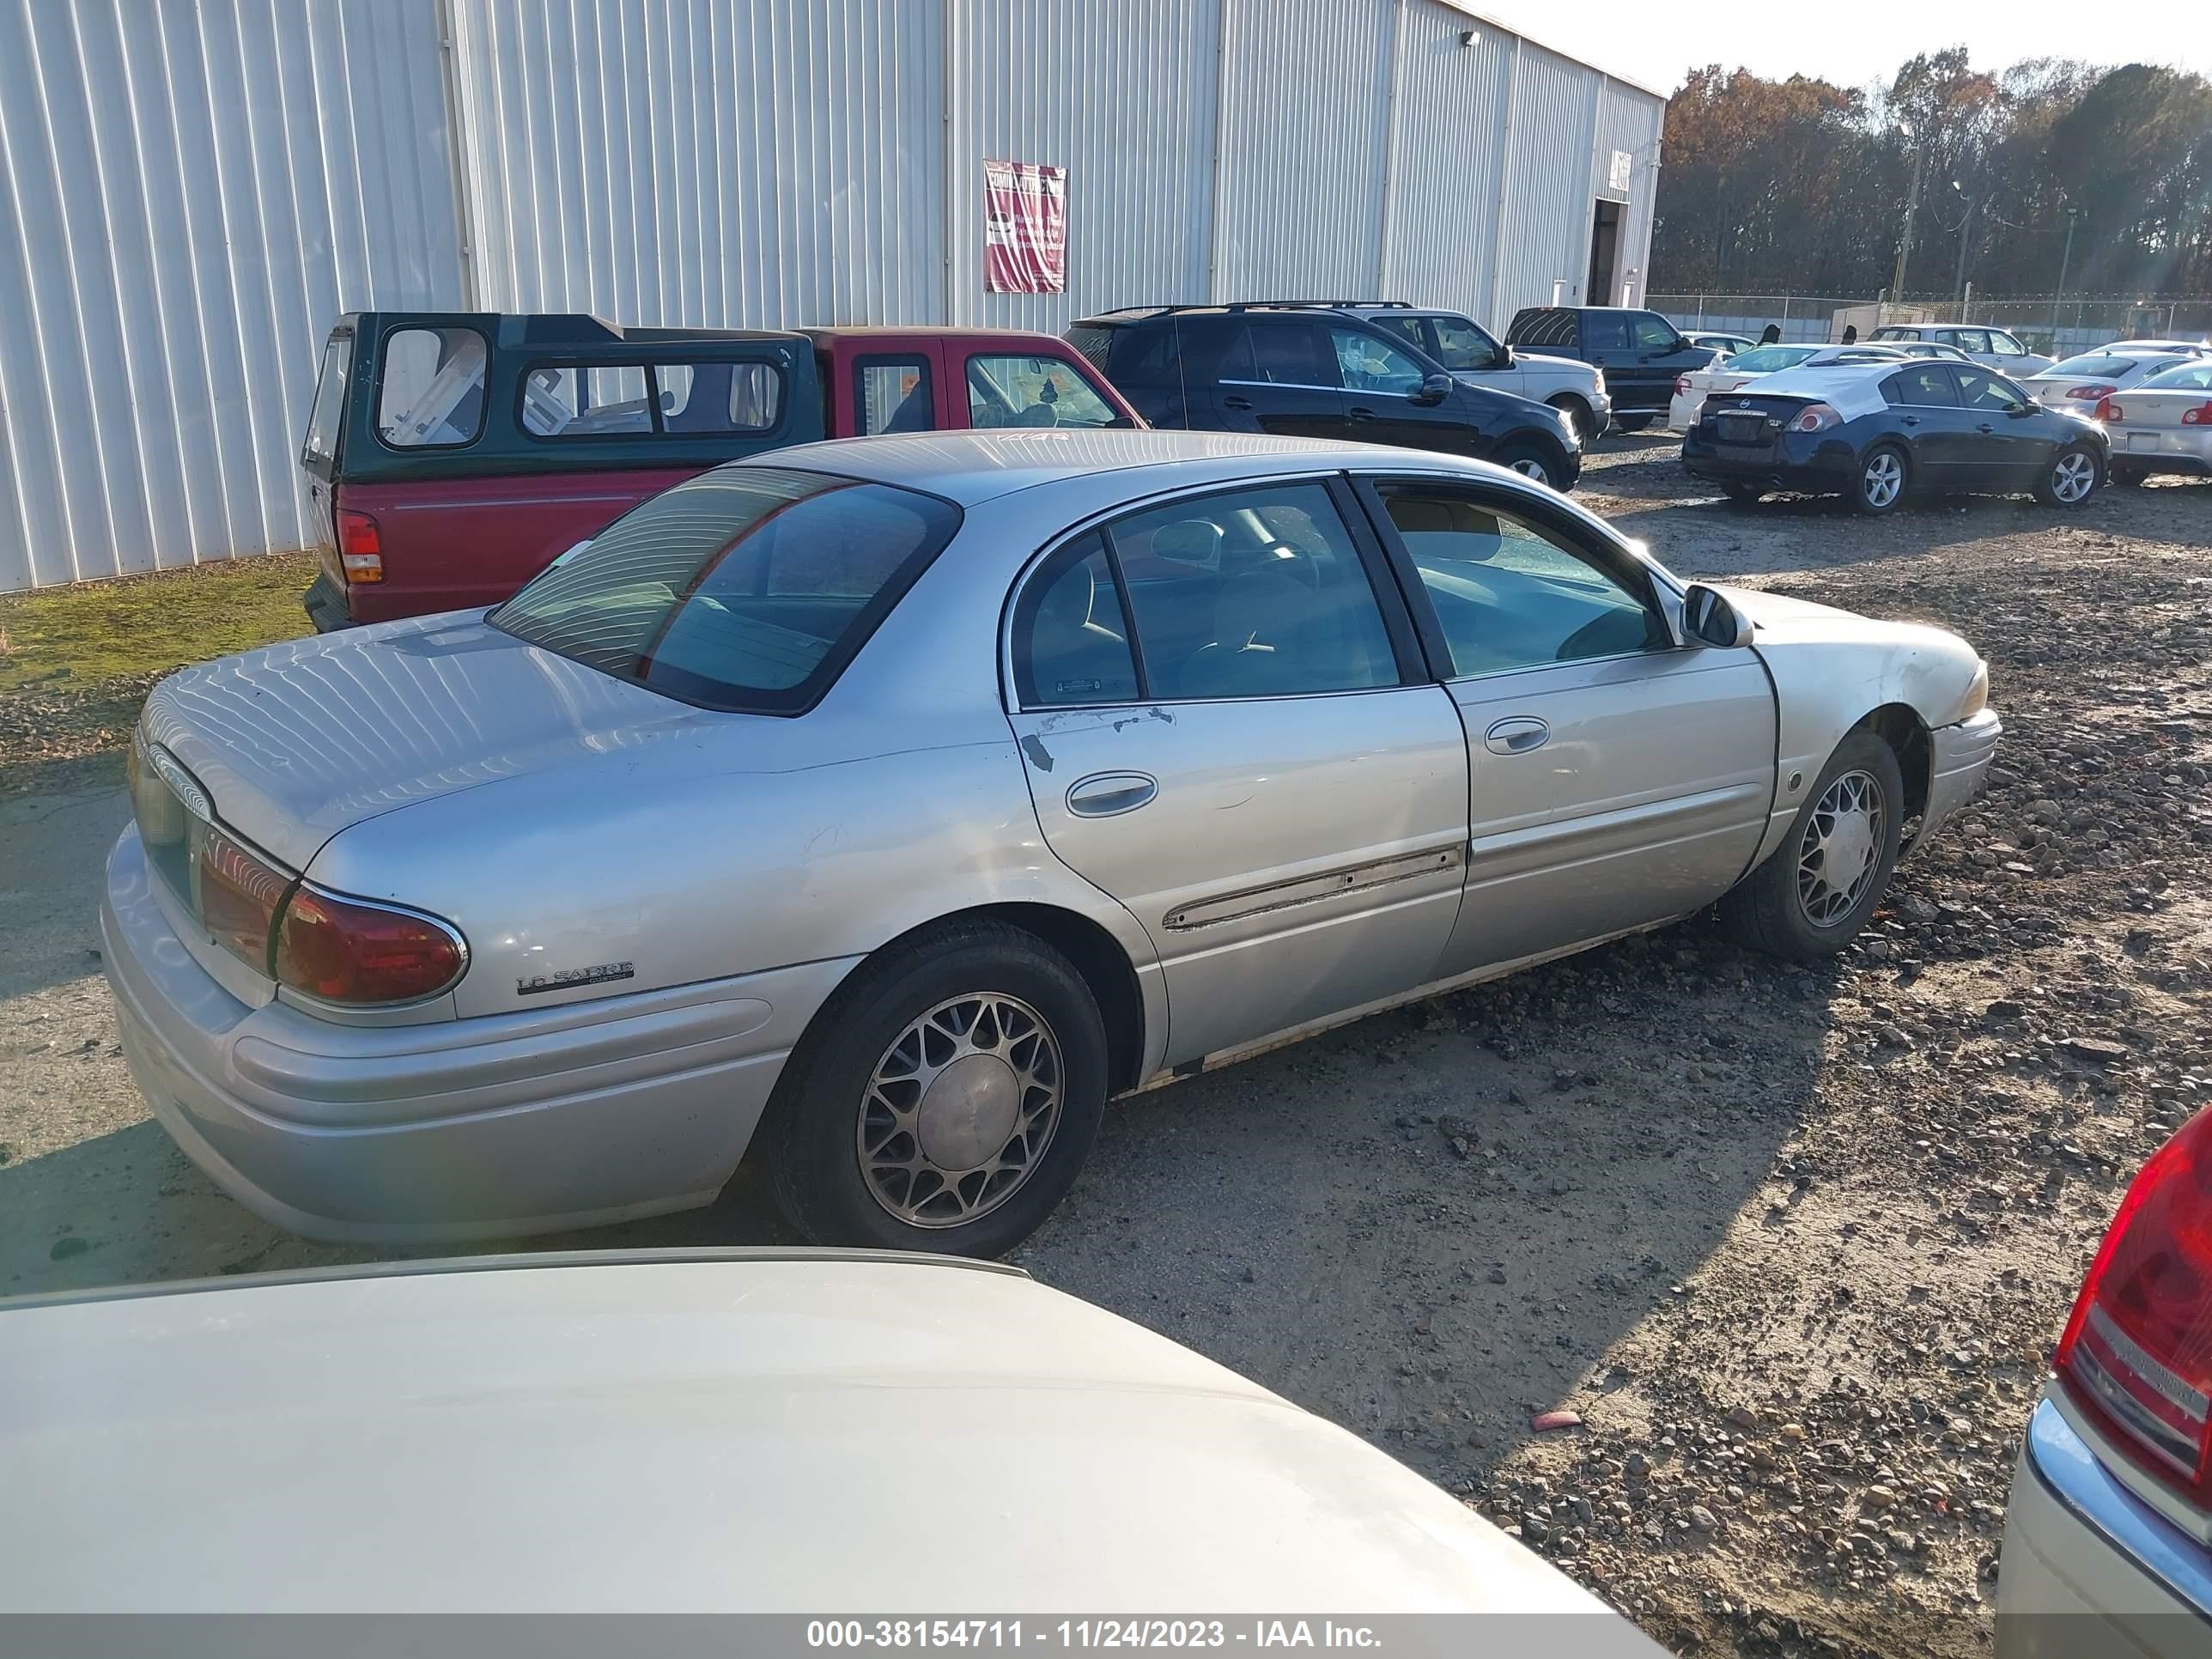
(1532, 469)
(1883, 477)
(1842, 845)
(2074, 476)
(959, 1109)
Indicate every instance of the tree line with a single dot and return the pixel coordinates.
(1800, 186)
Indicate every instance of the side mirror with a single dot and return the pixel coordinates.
(2028, 408)
(1504, 358)
(1710, 619)
(1435, 389)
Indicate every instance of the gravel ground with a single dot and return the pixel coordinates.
(1793, 1243)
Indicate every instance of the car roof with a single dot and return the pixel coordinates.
(968, 467)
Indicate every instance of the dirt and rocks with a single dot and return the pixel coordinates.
(1792, 1245)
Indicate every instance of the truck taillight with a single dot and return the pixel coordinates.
(349, 951)
(2138, 1349)
(360, 547)
(2110, 412)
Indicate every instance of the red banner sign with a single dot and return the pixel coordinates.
(1024, 227)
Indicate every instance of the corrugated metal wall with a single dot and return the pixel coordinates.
(188, 192)
(190, 189)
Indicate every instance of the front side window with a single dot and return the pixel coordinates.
(710, 397)
(1070, 646)
(1923, 385)
(323, 418)
(1289, 353)
(432, 392)
(1968, 340)
(746, 587)
(1462, 345)
(595, 402)
(1507, 595)
(1257, 593)
(1654, 333)
(1011, 391)
(1985, 389)
(2001, 344)
(893, 394)
(1368, 362)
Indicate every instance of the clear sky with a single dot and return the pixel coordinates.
(1857, 41)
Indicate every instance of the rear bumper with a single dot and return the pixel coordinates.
(1958, 767)
(2168, 449)
(1809, 462)
(326, 605)
(488, 1128)
(2088, 1567)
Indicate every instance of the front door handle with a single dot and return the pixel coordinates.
(1237, 403)
(1360, 412)
(1107, 794)
(1517, 735)
(1910, 420)
(1985, 426)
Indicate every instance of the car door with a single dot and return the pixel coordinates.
(1934, 428)
(1277, 376)
(1616, 779)
(1269, 783)
(1383, 400)
(2009, 447)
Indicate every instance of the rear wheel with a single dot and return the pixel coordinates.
(2069, 480)
(1812, 896)
(2131, 475)
(1577, 414)
(942, 1099)
(1880, 484)
(1742, 494)
(1531, 461)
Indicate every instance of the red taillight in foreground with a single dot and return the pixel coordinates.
(360, 548)
(2200, 415)
(2110, 412)
(236, 895)
(347, 952)
(1681, 386)
(1817, 418)
(2138, 1349)
(2086, 393)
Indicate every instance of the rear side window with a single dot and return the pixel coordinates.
(321, 443)
(1543, 325)
(432, 395)
(748, 587)
(1605, 331)
(1924, 385)
(711, 397)
(892, 394)
(1292, 353)
(594, 402)
(1025, 391)
(1096, 344)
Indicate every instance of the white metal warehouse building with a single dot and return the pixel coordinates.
(191, 190)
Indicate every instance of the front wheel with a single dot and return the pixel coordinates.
(1530, 462)
(1812, 896)
(1880, 484)
(2069, 480)
(942, 1099)
(1577, 414)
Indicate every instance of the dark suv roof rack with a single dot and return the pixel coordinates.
(1258, 305)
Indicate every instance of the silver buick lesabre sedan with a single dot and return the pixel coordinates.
(901, 799)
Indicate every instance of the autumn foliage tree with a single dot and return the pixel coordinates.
(1800, 185)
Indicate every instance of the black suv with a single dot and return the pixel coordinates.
(1640, 352)
(1313, 369)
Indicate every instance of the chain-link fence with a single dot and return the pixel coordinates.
(2057, 326)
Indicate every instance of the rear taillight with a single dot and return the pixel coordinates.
(236, 895)
(1681, 386)
(2110, 412)
(349, 951)
(360, 548)
(2138, 1349)
(2086, 393)
(2200, 415)
(1819, 419)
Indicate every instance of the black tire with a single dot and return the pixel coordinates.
(1577, 414)
(2061, 483)
(1632, 422)
(815, 1118)
(1765, 910)
(2129, 474)
(1532, 459)
(1866, 490)
(1742, 494)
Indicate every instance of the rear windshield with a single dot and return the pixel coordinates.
(749, 587)
(322, 440)
(2186, 377)
(2094, 363)
(1765, 359)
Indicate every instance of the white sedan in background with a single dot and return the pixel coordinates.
(1733, 373)
(2082, 383)
(787, 1431)
(2163, 423)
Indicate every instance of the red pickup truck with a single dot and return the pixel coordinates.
(452, 456)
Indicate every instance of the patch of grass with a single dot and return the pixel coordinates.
(76, 663)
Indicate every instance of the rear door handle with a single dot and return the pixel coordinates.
(1517, 735)
(1985, 426)
(1237, 403)
(1107, 794)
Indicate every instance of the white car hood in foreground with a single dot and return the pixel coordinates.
(806, 1432)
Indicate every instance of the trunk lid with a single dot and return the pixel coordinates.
(2159, 408)
(293, 743)
(1742, 420)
